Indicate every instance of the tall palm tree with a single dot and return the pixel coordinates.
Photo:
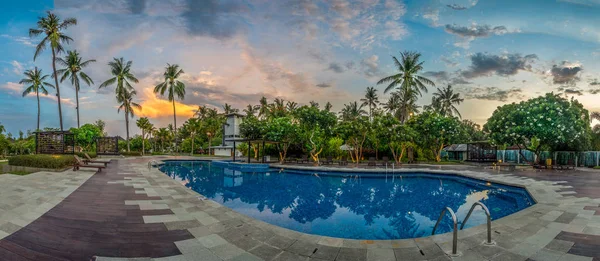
(407, 78)
(121, 72)
(228, 109)
(194, 126)
(37, 84)
(263, 108)
(201, 112)
(127, 105)
(371, 100)
(73, 65)
(250, 110)
(291, 106)
(444, 101)
(173, 87)
(352, 111)
(2, 129)
(144, 125)
(163, 135)
(52, 27)
(402, 106)
(328, 106)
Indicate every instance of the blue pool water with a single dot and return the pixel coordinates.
(346, 205)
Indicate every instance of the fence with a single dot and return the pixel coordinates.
(581, 159)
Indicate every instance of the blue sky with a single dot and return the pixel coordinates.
(492, 52)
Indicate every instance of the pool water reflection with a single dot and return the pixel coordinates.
(349, 206)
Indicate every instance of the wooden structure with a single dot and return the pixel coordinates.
(481, 151)
(54, 142)
(107, 146)
(256, 141)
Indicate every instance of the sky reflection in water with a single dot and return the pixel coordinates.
(392, 207)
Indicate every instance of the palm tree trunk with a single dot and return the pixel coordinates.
(37, 93)
(127, 128)
(143, 143)
(77, 100)
(192, 145)
(175, 125)
(57, 88)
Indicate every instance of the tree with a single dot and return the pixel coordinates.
(316, 127)
(402, 106)
(52, 27)
(193, 126)
(407, 78)
(250, 110)
(121, 72)
(354, 131)
(436, 131)
(2, 129)
(174, 87)
(73, 66)
(144, 125)
(370, 100)
(37, 84)
(284, 131)
(596, 116)
(474, 131)
(397, 136)
(228, 109)
(443, 101)
(163, 135)
(548, 122)
(127, 105)
(253, 128)
(86, 135)
(101, 125)
(352, 111)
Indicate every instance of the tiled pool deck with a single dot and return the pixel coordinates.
(130, 211)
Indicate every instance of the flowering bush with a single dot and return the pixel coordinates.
(435, 131)
(547, 122)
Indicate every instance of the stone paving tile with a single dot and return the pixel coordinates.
(280, 241)
(381, 254)
(559, 245)
(265, 252)
(412, 253)
(287, 256)
(566, 218)
(326, 252)
(227, 251)
(246, 257)
(352, 254)
(302, 248)
(547, 255)
(212, 241)
(508, 256)
(175, 225)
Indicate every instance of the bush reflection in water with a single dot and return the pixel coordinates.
(349, 206)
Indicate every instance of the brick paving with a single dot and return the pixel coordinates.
(130, 200)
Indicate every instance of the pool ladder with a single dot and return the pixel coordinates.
(488, 242)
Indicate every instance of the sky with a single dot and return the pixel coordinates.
(491, 52)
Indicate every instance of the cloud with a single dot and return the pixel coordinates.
(565, 73)
(492, 93)
(594, 82)
(582, 2)
(17, 67)
(459, 80)
(137, 6)
(432, 15)
(12, 87)
(573, 92)
(457, 7)
(594, 91)
(475, 30)
(19, 39)
(335, 67)
(448, 61)
(275, 71)
(483, 64)
(370, 66)
(323, 85)
(155, 107)
(218, 19)
(349, 65)
(438, 75)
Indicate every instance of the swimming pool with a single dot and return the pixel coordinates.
(346, 205)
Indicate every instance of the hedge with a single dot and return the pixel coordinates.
(131, 154)
(42, 161)
(82, 154)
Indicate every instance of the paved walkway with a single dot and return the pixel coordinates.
(131, 211)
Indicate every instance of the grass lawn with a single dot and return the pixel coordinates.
(20, 173)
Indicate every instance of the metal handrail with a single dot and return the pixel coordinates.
(455, 228)
(489, 221)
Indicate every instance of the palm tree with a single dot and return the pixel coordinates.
(314, 104)
(352, 111)
(201, 112)
(2, 129)
(402, 106)
(37, 84)
(174, 87)
(52, 27)
(263, 108)
(443, 101)
(371, 99)
(228, 109)
(127, 105)
(194, 126)
(250, 110)
(73, 65)
(408, 78)
(144, 125)
(121, 72)
(328, 106)
(291, 106)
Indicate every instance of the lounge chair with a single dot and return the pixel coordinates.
(80, 164)
(304, 159)
(343, 161)
(89, 159)
(372, 162)
(328, 160)
(385, 160)
(290, 159)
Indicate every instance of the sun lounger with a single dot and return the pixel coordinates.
(80, 164)
(372, 162)
(304, 159)
(328, 160)
(343, 161)
(89, 159)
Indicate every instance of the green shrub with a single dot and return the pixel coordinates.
(597, 167)
(42, 161)
(131, 154)
(82, 154)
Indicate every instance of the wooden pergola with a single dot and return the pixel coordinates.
(250, 141)
(54, 142)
